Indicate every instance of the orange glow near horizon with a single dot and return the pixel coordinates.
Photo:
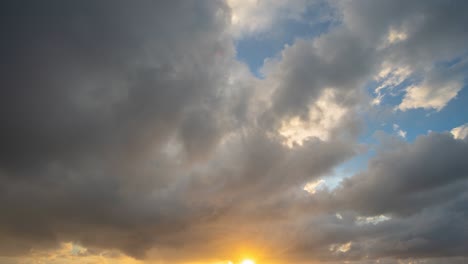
(248, 261)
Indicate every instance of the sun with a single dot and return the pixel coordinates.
(248, 261)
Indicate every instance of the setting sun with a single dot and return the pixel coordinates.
(248, 261)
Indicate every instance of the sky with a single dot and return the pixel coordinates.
(222, 131)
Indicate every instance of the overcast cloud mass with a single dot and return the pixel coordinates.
(131, 132)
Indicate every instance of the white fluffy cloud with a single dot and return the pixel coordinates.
(460, 132)
(257, 16)
(429, 96)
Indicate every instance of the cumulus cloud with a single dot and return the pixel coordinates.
(250, 18)
(460, 132)
(253, 16)
(409, 203)
(413, 37)
(129, 126)
(407, 178)
(435, 92)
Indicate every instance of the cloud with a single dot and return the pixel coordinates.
(312, 187)
(409, 203)
(407, 178)
(412, 38)
(93, 96)
(460, 132)
(253, 17)
(131, 128)
(398, 131)
(71, 253)
(389, 78)
(432, 94)
(324, 116)
(361, 220)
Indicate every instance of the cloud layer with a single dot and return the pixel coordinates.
(130, 130)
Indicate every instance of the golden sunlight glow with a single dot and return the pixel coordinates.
(71, 253)
(248, 261)
(396, 36)
(324, 116)
(312, 187)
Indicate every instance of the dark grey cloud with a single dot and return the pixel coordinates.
(419, 187)
(309, 68)
(112, 113)
(405, 179)
(432, 33)
(90, 92)
(87, 74)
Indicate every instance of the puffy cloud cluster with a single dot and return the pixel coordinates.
(129, 128)
(412, 39)
(258, 17)
(253, 16)
(460, 132)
